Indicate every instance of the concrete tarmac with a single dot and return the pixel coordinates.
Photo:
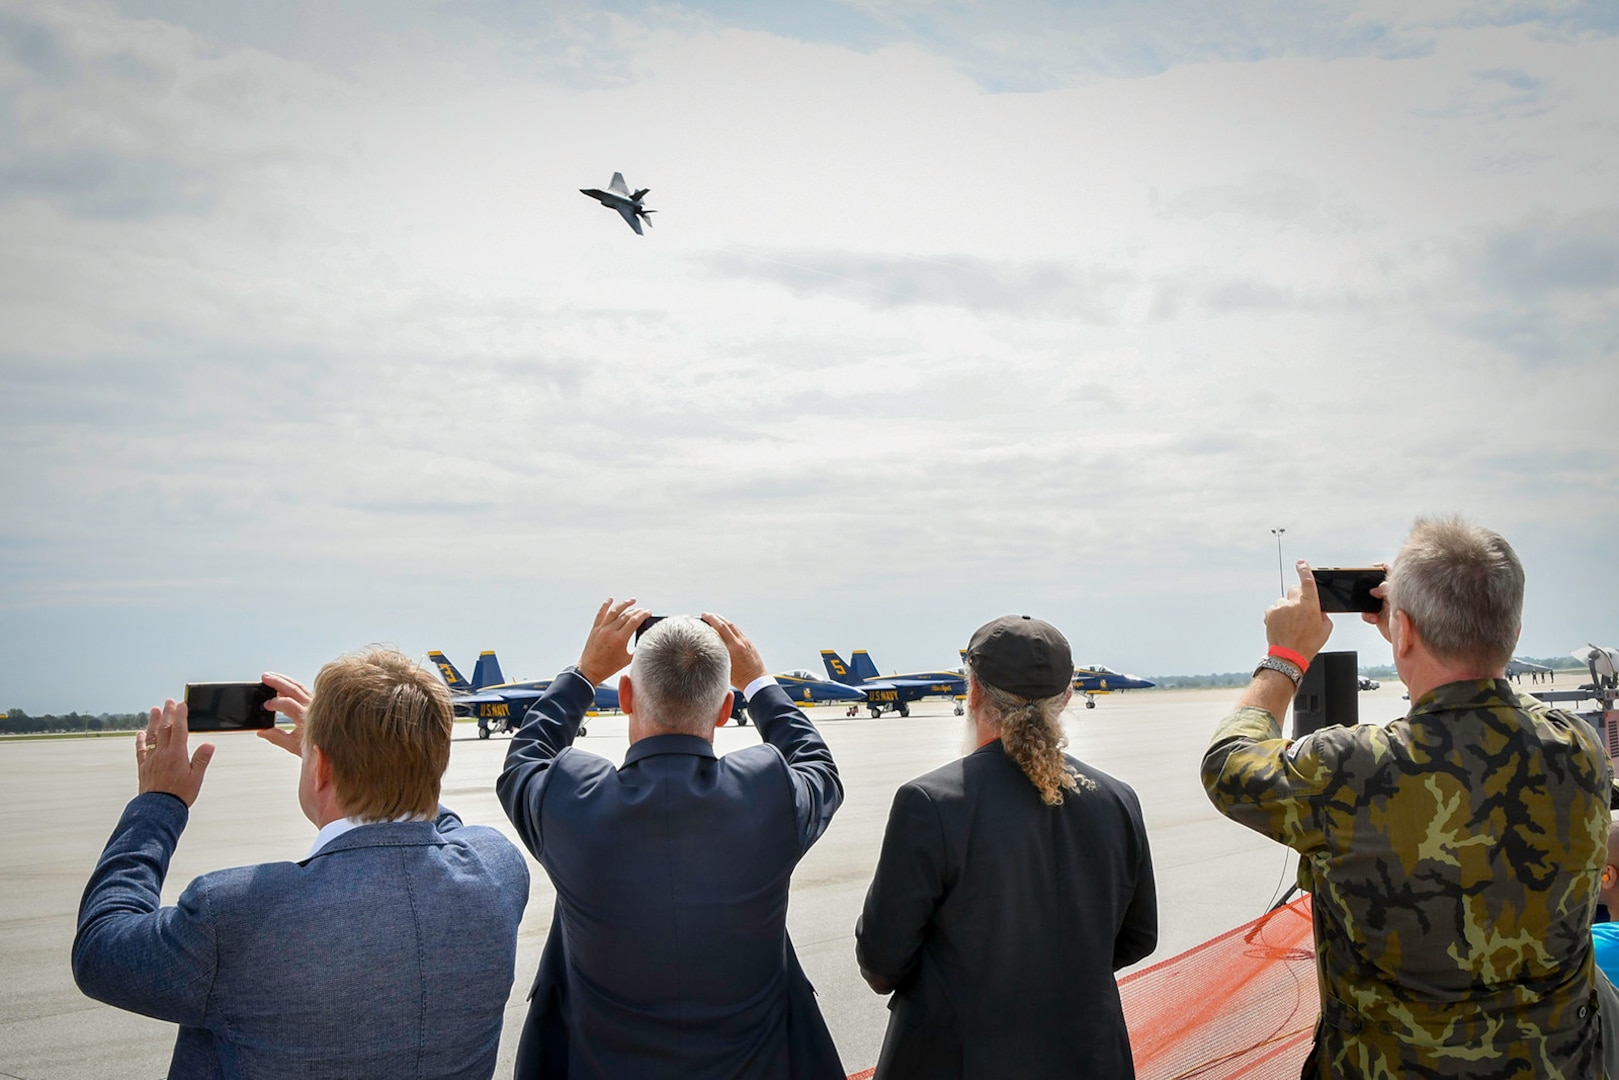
(59, 799)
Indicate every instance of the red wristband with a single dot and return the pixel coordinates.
(1282, 652)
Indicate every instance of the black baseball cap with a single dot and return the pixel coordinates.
(1021, 655)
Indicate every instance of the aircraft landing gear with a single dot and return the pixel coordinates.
(876, 712)
(483, 731)
(959, 709)
(904, 709)
(1090, 703)
(583, 731)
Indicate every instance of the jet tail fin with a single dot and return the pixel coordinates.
(860, 663)
(487, 671)
(836, 669)
(452, 678)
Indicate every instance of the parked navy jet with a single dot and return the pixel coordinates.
(1097, 679)
(805, 689)
(892, 693)
(499, 706)
(496, 704)
(618, 196)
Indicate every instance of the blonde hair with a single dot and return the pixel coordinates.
(1031, 731)
(384, 724)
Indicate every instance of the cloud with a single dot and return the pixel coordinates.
(1544, 289)
(325, 328)
(958, 281)
(1273, 197)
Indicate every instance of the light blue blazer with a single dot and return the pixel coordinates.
(389, 953)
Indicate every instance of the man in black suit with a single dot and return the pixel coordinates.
(668, 954)
(1012, 884)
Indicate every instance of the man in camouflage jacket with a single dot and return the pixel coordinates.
(1453, 854)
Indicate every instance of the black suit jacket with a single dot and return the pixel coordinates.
(998, 922)
(668, 954)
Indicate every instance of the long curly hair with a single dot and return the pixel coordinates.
(1031, 731)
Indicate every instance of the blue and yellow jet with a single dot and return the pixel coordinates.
(499, 706)
(892, 693)
(1097, 679)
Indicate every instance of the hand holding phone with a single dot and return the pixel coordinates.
(161, 761)
(1349, 588)
(606, 650)
(223, 706)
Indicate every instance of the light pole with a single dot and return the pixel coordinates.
(1280, 579)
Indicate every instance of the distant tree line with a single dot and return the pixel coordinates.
(1194, 682)
(1375, 671)
(17, 722)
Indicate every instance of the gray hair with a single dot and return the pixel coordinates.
(1031, 731)
(681, 672)
(1462, 587)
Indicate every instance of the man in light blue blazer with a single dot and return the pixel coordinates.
(668, 954)
(387, 952)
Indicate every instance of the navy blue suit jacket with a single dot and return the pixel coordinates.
(668, 953)
(390, 952)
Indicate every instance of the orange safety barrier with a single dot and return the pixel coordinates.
(1242, 1004)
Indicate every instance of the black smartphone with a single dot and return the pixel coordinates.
(1348, 588)
(648, 623)
(228, 706)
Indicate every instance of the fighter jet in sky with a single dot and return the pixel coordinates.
(628, 204)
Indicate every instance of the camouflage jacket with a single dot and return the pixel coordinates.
(1453, 858)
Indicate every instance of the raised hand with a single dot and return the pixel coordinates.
(1297, 622)
(607, 648)
(291, 701)
(746, 663)
(1380, 618)
(161, 759)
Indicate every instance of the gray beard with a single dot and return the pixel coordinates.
(969, 735)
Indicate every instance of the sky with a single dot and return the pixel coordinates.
(308, 340)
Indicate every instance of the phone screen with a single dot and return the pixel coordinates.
(228, 706)
(648, 623)
(1348, 588)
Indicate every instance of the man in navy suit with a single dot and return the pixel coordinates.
(668, 954)
(388, 951)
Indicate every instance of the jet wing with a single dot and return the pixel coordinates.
(814, 691)
(618, 184)
(928, 686)
(627, 214)
(488, 698)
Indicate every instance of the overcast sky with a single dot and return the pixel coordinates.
(309, 340)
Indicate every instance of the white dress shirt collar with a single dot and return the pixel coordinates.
(333, 829)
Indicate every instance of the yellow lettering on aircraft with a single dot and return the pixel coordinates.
(491, 711)
(883, 695)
